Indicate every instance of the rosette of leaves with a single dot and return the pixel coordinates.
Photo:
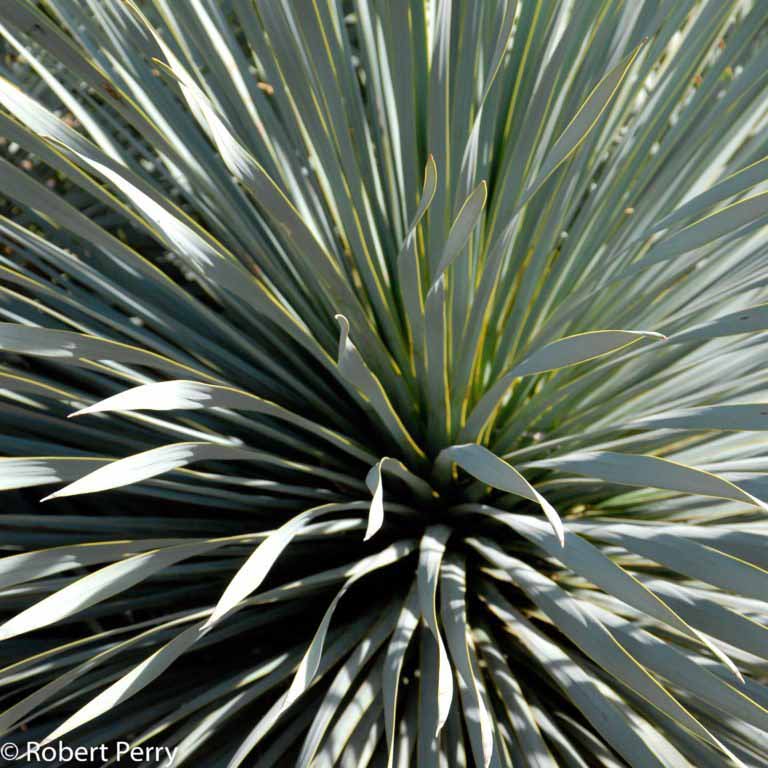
(417, 354)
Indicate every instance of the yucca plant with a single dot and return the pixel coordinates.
(424, 343)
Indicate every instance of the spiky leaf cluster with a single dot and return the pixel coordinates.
(417, 353)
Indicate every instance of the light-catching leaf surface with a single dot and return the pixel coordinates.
(366, 464)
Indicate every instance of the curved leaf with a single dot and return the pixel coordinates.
(650, 471)
(485, 466)
(407, 622)
(192, 395)
(357, 373)
(570, 350)
(453, 610)
(432, 548)
(310, 662)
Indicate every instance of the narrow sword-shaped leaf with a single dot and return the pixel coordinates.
(28, 385)
(148, 464)
(432, 549)
(408, 265)
(521, 718)
(586, 559)
(72, 348)
(191, 395)
(203, 254)
(407, 622)
(469, 156)
(650, 471)
(570, 350)
(436, 385)
(594, 699)
(581, 124)
(30, 471)
(428, 711)
(453, 610)
(419, 487)
(27, 566)
(703, 562)
(435, 315)
(594, 639)
(664, 659)
(357, 373)
(343, 681)
(267, 193)
(742, 416)
(465, 221)
(101, 585)
(376, 512)
(310, 662)
(13, 715)
(358, 728)
(726, 221)
(747, 320)
(130, 684)
(488, 468)
(258, 565)
(734, 184)
(706, 230)
(344, 643)
(716, 620)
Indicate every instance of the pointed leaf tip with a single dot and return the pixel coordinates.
(488, 468)
(376, 511)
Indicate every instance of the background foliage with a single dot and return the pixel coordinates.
(425, 345)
